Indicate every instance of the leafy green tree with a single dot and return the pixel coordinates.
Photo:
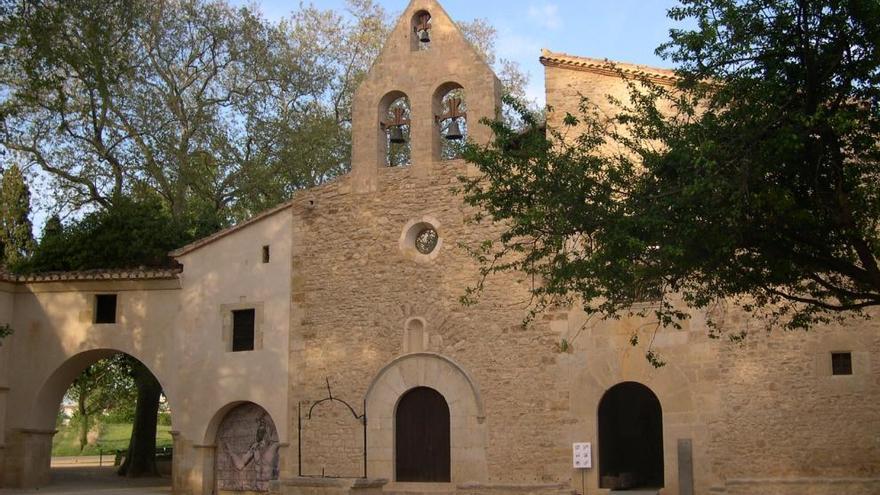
(16, 236)
(755, 180)
(97, 389)
(127, 235)
(192, 99)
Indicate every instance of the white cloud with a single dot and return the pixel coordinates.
(546, 15)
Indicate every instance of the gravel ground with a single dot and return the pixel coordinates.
(96, 481)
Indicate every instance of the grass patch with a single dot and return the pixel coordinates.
(111, 437)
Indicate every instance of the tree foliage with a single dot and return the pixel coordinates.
(754, 180)
(127, 235)
(16, 237)
(483, 36)
(214, 108)
(99, 388)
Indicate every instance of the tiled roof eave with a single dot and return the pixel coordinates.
(93, 275)
(607, 67)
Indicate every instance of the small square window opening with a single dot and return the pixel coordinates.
(841, 363)
(266, 254)
(243, 330)
(105, 309)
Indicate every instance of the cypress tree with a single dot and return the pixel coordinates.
(16, 234)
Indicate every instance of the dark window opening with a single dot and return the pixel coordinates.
(243, 330)
(630, 438)
(421, 442)
(841, 363)
(265, 254)
(105, 308)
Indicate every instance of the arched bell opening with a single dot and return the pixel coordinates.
(450, 115)
(420, 34)
(422, 437)
(630, 438)
(395, 124)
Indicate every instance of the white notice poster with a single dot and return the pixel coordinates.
(583, 456)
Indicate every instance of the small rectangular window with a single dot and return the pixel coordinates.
(841, 363)
(265, 254)
(243, 330)
(105, 308)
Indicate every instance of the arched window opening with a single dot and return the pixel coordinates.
(396, 125)
(630, 438)
(421, 31)
(422, 451)
(452, 123)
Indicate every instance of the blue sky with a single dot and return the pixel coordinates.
(622, 30)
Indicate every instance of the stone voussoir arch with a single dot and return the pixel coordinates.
(466, 410)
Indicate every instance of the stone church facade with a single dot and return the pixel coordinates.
(321, 347)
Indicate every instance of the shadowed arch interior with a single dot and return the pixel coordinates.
(422, 450)
(630, 438)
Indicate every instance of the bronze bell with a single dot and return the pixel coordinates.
(454, 131)
(424, 36)
(396, 135)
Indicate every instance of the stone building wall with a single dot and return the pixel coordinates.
(786, 418)
(766, 416)
(355, 290)
(6, 317)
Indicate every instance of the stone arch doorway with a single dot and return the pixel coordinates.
(34, 443)
(421, 437)
(630, 438)
(248, 450)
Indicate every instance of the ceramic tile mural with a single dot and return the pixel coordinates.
(247, 450)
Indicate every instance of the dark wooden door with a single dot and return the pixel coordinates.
(422, 437)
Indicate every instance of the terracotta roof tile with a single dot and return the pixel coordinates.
(606, 67)
(141, 273)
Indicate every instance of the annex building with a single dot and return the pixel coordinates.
(321, 348)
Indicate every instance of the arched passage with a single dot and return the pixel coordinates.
(630, 438)
(36, 442)
(421, 437)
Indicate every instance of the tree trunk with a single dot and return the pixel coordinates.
(83, 421)
(141, 457)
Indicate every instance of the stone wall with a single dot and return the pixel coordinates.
(784, 416)
(354, 290)
(765, 416)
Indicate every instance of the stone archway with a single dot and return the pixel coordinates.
(467, 428)
(630, 438)
(29, 449)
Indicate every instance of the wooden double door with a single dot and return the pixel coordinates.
(422, 451)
